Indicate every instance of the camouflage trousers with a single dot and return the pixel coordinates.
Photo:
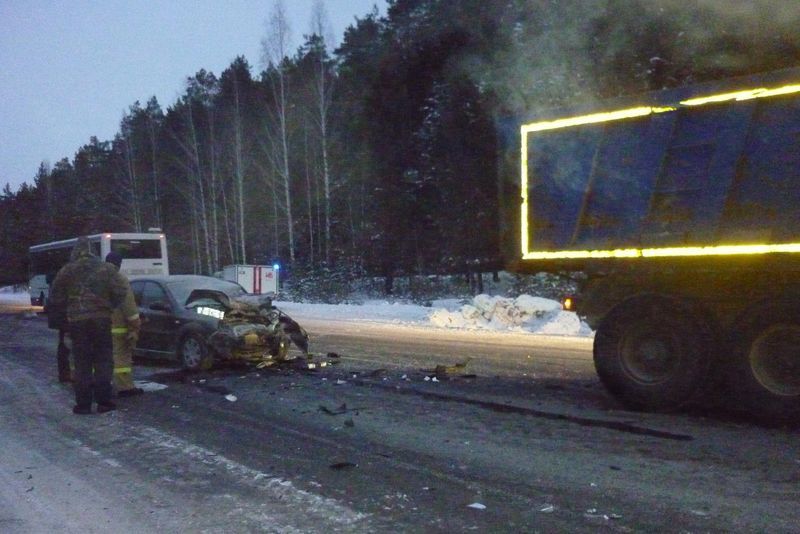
(91, 349)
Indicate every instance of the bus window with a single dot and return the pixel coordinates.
(136, 248)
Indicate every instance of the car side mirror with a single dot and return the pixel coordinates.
(160, 305)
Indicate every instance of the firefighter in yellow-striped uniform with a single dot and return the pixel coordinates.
(125, 325)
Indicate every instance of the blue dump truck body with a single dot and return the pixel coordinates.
(683, 209)
(705, 166)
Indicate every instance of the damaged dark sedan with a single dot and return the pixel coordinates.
(200, 320)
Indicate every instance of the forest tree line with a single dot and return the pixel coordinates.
(383, 155)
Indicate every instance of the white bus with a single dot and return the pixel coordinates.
(142, 254)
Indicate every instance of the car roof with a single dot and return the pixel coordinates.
(177, 278)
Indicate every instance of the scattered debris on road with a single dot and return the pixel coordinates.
(338, 466)
(146, 385)
(338, 411)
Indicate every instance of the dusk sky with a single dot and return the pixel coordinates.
(71, 68)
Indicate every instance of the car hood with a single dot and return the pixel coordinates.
(209, 294)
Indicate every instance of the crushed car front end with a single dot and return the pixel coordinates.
(257, 333)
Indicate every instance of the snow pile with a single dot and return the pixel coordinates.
(375, 311)
(522, 314)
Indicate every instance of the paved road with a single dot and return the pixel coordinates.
(522, 440)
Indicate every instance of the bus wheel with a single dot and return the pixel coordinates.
(653, 353)
(765, 373)
(194, 354)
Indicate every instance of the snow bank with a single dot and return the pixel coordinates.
(10, 295)
(522, 314)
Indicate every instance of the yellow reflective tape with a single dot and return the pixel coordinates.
(120, 370)
(713, 250)
(119, 330)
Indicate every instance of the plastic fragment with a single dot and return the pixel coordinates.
(591, 513)
(442, 370)
(547, 509)
(427, 378)
(340, 381)
(338, 411)
(477, 506)
(342, 465)
(231, 398)
(149, 386)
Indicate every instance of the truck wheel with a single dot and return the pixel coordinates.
(653, 353)
(194, 353)
(765, 372)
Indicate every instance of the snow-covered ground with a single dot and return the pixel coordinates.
(522, 314)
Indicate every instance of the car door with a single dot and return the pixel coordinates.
(159, 324)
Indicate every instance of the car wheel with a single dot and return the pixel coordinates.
(194, 353)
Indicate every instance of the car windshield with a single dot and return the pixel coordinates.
(181, 289)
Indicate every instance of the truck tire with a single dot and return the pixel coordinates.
(764, 376)
(194, 354)
(653, 353)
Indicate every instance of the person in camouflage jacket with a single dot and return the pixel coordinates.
(90, 289)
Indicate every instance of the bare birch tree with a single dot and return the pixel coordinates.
(275, 57)
(200, 186)
(309, 202)
(130, 167)
(320, 26)
(238, 168)
(153, 115)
